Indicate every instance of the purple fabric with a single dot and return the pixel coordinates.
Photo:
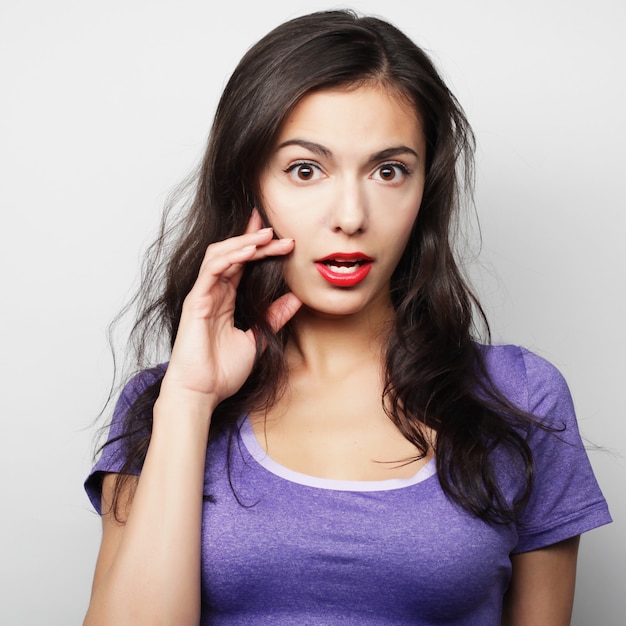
(283, 548)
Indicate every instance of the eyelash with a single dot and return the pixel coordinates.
(390, 164)
(297, 164)
(395, 164)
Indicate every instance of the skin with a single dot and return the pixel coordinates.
(346, 174)
(148, 570)
(541, 592)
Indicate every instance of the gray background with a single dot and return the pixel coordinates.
(105, 107)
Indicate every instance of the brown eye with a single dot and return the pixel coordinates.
(305, 171)
(387, 172)
(391, 172)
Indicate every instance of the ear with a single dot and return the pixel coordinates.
(258, 207)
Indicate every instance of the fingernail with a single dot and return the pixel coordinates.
(266, 230)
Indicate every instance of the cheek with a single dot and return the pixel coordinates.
(404, 217)
(399, 230)
(282, 222)
(291, 214)
(275, 204)
(402, 202)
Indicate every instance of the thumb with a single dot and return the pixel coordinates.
(282, 310)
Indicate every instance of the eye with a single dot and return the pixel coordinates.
(391, 172)
(304, 171)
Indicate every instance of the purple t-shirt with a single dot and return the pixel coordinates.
(284, 548)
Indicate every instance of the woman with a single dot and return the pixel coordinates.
(328, 444)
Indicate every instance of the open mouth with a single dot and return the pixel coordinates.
(344, 270)
(343, 267)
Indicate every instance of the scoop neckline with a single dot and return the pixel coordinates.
(259, 455)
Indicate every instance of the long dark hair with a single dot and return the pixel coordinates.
(434, 371)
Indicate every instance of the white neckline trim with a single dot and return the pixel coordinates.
(262, 458)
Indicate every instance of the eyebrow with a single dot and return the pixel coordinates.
(317, 148)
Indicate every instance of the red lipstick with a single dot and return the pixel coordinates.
(344, 269)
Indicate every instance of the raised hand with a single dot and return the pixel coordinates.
(211, 358)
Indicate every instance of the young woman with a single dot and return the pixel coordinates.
(328, 443)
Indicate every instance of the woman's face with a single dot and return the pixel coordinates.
(345, 180)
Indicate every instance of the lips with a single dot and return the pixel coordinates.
(344, 269)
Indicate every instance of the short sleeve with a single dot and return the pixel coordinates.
(565, 500)
(113, 455)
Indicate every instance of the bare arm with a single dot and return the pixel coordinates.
(541, 592)
(152, 562)
(148, 570)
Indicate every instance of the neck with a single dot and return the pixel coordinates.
(330, 346)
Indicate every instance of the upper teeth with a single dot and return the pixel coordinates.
(343, 269)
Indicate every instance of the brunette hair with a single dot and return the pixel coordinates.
(434, 372)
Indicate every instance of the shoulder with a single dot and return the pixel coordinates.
(140, 382)
(528, 380)
(116, 456)
(134, 389)
(511, 363)
(132, 414)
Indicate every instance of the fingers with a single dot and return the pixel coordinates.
(262, 239)
(256, 238)
(227, 256)
(221, 265)
(224, 260)
(282, 310)
(253, 235)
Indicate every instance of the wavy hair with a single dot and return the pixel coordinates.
(434, 372)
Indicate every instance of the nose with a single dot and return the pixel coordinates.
(349, 212)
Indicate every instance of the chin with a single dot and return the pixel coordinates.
(342, 304)
(330, 313)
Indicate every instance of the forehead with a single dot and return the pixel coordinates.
(365, 115)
